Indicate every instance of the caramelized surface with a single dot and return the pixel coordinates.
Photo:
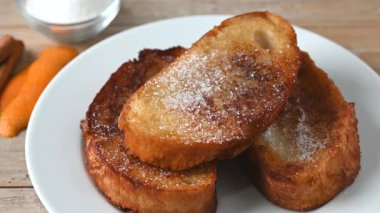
(227, 88)
(308, 122)
(108, 139)
(311, 152)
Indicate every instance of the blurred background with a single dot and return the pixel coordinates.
(351, 23)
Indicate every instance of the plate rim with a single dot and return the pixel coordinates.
(29, 133)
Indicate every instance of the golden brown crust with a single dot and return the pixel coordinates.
(128, 192)
(125, 180)
(311, 152)
(226, 89)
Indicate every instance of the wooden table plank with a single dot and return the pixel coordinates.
(19, 200)
(12, 162)
(351, 23)
(371, 58)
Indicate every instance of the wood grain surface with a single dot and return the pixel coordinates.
(351, 23)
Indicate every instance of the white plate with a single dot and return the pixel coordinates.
(54, 146)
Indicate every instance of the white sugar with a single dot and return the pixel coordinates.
(294, 141)
(192, 84)
(66, 11)
(306, 141)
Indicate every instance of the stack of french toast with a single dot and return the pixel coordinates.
(155, 131)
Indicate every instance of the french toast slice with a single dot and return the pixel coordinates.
(223, 91)
(311, 152)
(125, 180)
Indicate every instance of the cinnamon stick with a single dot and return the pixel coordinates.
(17, 50)
(5, 47)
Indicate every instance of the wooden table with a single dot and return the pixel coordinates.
(351, 23)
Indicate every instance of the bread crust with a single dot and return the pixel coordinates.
(127, 182)
(298, 178)
(222, 92)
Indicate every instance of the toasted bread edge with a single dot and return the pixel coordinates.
(180, 156)
(125, 193)
(300, 186)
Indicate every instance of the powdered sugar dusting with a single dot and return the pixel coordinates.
(192, 91)
(200, 87)
(298, 142)
(213, 96)
(306, 141)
